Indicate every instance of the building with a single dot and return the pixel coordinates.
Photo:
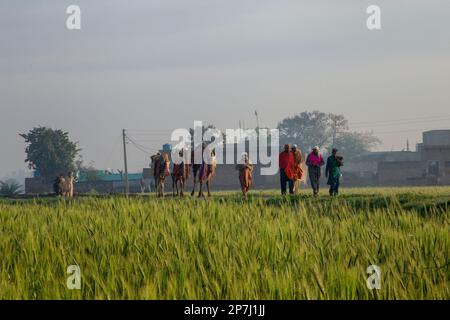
(428, 165)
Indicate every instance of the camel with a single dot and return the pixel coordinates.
(59, 185)
(204, 173)
(161, 170)
(180, 175)
(155, 160)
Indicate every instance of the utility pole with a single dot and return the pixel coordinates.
(127, 187)
(257, 132)
(257, 119)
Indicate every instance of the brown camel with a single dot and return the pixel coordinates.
(161, 170)
(179, 176)
(204, 172)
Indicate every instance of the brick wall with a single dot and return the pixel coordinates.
(401, 173)
(43, 186)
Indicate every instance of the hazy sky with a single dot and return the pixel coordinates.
(158, 65)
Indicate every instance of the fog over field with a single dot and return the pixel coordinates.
(160, 65)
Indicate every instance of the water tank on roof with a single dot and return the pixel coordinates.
(436, 138)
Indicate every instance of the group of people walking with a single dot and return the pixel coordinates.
(291, 172)
(290, 166)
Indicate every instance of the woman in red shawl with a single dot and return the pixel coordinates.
(285, 161)
(297, 171)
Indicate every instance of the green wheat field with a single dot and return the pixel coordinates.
(227, 247)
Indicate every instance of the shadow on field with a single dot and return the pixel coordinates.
(424, 204)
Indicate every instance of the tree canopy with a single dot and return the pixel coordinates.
(50, 152)
(309, 129)
(354, 144)
(325, 130)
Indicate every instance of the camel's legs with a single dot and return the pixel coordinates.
(174, 185)
(200, 192)
(158, 189)
(156, 186)
(193, 188)
(181, 187)
(207, 186)
(161, 188)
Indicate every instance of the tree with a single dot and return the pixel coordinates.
(354, 144)
(204, 129)
(50, 152)
(87, 172)
(10, 188)
(338, 125)
(309, 129)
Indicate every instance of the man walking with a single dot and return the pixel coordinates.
(286, 161)
(333, 172)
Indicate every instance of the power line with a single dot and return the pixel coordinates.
(400, 123)
(400, 120)
(150, 139)
(134, 132)
(401, 131)
(138, 146)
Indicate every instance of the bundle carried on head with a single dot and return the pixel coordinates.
(340, 161)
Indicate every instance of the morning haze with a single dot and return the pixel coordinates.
(160, 65)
